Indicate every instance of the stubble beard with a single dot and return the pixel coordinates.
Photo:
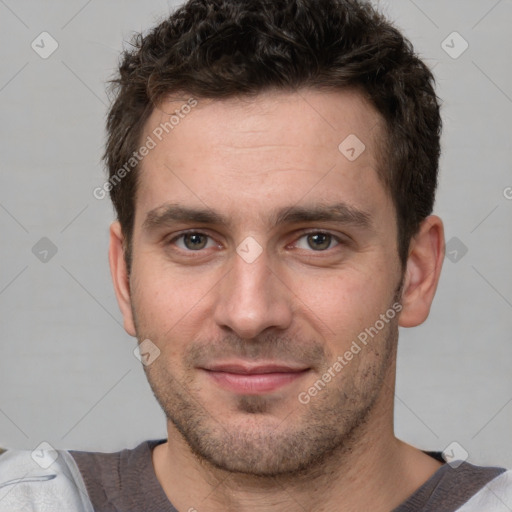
(328, 427)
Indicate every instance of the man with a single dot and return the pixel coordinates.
(273, 166)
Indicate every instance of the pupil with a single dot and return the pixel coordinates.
(319, 241)
(194, 241)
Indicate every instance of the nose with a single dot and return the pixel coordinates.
(252, 298)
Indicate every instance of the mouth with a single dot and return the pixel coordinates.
(254, 379)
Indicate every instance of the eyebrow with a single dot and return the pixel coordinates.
(341, 213)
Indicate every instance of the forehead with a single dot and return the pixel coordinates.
(270, 150)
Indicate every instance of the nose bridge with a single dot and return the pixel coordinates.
(251, 298)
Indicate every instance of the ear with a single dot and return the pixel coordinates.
(120, 278)
(426, 256)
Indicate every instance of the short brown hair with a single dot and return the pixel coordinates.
(225, 48)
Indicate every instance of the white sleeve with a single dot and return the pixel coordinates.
(41, 481)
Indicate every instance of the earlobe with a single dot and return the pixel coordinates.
(426, 255)
(120, 278)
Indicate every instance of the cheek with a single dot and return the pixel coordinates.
(343, 304)
(167, 302)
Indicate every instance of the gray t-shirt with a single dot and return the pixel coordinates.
(125, 481)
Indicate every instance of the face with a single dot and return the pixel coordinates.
(265, 270)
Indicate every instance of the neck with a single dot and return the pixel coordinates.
(373, 470)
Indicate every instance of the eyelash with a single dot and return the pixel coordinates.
(339, 241)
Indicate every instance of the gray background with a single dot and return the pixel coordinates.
(68, 375)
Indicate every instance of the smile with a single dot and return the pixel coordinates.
(254, 380)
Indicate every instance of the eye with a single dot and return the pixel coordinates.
(193, 241)
(318, 241)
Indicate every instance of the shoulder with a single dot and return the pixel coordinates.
(495, 495)
(473, 488)
(112, 466)
(117, 480)
(40, 481)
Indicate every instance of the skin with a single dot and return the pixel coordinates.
(302, 301)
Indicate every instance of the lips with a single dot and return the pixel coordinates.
(240, 368)
(254, 379)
